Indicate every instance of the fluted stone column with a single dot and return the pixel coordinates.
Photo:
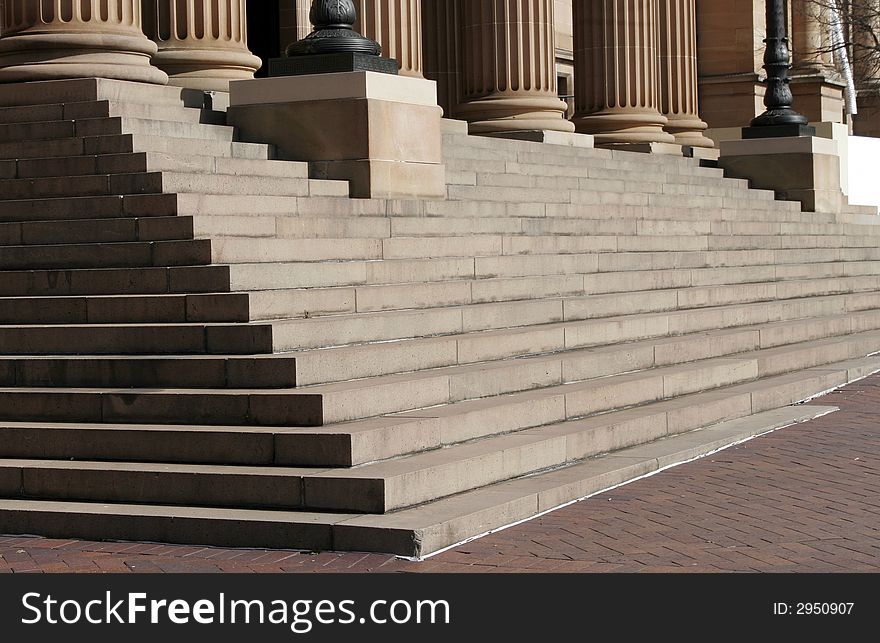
(508, 67)
(617, 75)
(397, 26)
(440, 48)
(678, 73)
(57, 39)
(202, 43)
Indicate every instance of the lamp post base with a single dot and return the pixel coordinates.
(777, 131)
(331, 64)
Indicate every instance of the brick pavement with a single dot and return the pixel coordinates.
(804, 499)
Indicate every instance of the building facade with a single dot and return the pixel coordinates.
(623, 70)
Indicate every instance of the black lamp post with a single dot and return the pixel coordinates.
(780, 119)
(333, 46)
(334, 32)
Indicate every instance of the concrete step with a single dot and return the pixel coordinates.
(348, 363)
(113, 125)
(346, 329)
(158, 182)
(107, 108)
(181, 484)
(100, 207)
(257, 277)
(106, 255)
(98, 89)
(126, 309)
(466, 171)
(623, 183)
(78, 231)
(326, 403)
(425, 477)
(273, 276)
(177, 371)
(360, 442)
(143, 339)
(413, 532)
(134, 162)
(396, 484)
(115, 281)
(130, 143)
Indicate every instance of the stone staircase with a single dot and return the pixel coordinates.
(200, 344)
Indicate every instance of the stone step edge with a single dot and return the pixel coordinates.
(415, 533)
(133, 156)
(851, 287)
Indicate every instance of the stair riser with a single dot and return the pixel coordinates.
(172, 372)
(224, 489)
(527, 452)
(121, 281)
(117, 230)
(287, 410)
(331, 331)
(102, 256)
(164, 408)
(126, 310)
(539, 449)
(368, 361)
(133, 340)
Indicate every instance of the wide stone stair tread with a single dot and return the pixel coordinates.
(546, 321)
(331, 403)
(411, 532)
(318, 302)
(130, 162)
(200, 344)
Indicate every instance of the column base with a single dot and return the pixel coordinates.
(669, 149)
(689, 132)
(569, 139)
(60, 56)
(515, 113)
(805, 169)
(206, 69)
(624, 127)
(382, 133)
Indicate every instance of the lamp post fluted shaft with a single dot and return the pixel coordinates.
(777, 63)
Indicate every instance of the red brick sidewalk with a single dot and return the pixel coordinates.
(806, 498)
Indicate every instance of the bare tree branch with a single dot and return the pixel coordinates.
(861, 26)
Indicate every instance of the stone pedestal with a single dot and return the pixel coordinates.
(378, 131)
(202, 44)
(804, 168)
(508, 67)
(59, 39)
(617, 72)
